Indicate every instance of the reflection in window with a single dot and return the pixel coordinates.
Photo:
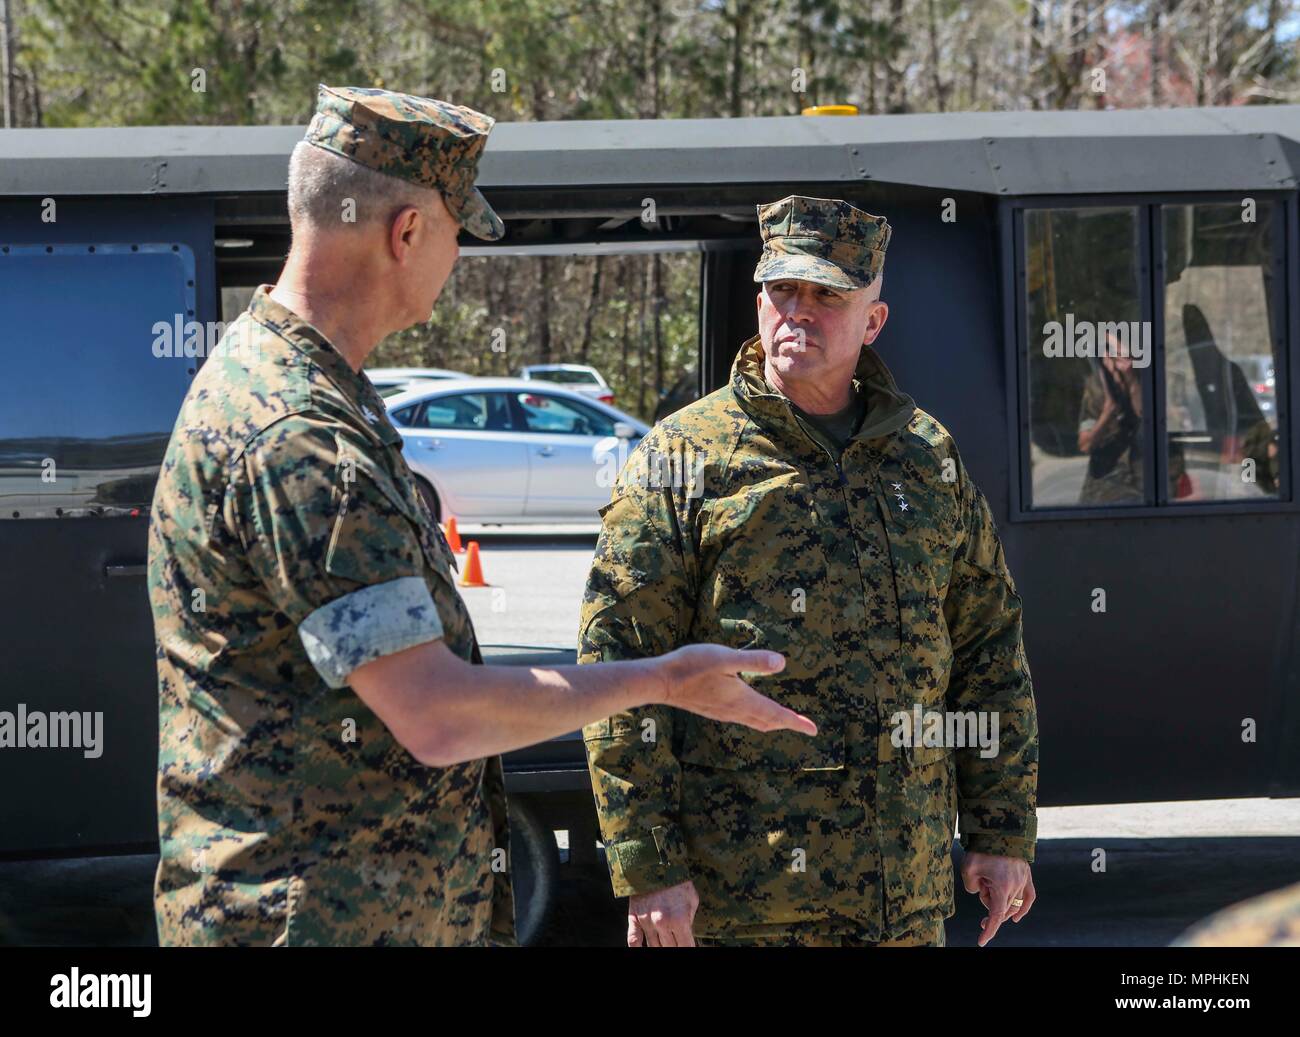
(1085, 410)
(1220, 375)
(91, 390)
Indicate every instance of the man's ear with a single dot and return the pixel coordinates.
(402, 232)
(877, 314)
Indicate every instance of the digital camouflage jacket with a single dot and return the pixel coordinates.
(882, 580)
(288, 544)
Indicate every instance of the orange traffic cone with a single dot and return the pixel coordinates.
(473, 574)
(453, 536)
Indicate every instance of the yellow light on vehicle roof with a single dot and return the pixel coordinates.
(831, 109)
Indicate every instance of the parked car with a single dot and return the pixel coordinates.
(579, 377)
(507, 450)
(392, 380)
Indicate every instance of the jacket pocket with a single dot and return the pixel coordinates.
(919, 814)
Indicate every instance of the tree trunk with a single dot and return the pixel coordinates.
(895, 87)
(641, 343)
(940, 90)
(7, 61)
(544, 310)
(593, 300)
(657, 303)
(739, 26)
(623, 279)
(1156, 57)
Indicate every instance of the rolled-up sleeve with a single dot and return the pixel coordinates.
(324, 530)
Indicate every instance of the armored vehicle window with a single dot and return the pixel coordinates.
(1222, 281)
(1089, 351)
(99, 346)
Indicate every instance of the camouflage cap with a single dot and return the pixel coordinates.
(420, 139)
(825, 240)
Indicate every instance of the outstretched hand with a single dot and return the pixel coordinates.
(705, 679)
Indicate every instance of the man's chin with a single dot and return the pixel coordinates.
(793, 362)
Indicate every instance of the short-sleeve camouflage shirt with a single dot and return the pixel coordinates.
(288, 545)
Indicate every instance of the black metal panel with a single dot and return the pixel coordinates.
(77, 637)
(1146, 700)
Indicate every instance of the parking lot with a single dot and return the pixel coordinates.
(537, 575)
(1167, 864)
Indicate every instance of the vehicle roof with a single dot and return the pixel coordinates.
(480, 384)
(437, 373)
(1000, 153)
(558, 367)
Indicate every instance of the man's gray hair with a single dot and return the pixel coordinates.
(328, 191)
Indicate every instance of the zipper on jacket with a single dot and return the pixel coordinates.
(906, 754)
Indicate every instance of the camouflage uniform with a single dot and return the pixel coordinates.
(881, 578)
(1271, 920)
(288, 545)
(927, 934)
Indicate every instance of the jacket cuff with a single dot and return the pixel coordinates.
(999, 846)
(648, 863)
(988, 826)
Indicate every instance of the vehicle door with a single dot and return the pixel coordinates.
(566, 480)
(467, 446)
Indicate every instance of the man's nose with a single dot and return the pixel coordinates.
(800, 307)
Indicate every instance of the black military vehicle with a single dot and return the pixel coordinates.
(1158, 569)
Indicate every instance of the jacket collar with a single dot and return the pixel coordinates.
(354, 388)
(888, 407)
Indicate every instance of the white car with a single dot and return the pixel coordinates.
(392, 380)
(579, 377)
(507, 450)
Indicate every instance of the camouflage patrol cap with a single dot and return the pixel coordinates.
(420, 139)
(825, 240)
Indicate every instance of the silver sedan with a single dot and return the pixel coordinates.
(506, 450)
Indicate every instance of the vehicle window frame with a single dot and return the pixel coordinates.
(1018, 341)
